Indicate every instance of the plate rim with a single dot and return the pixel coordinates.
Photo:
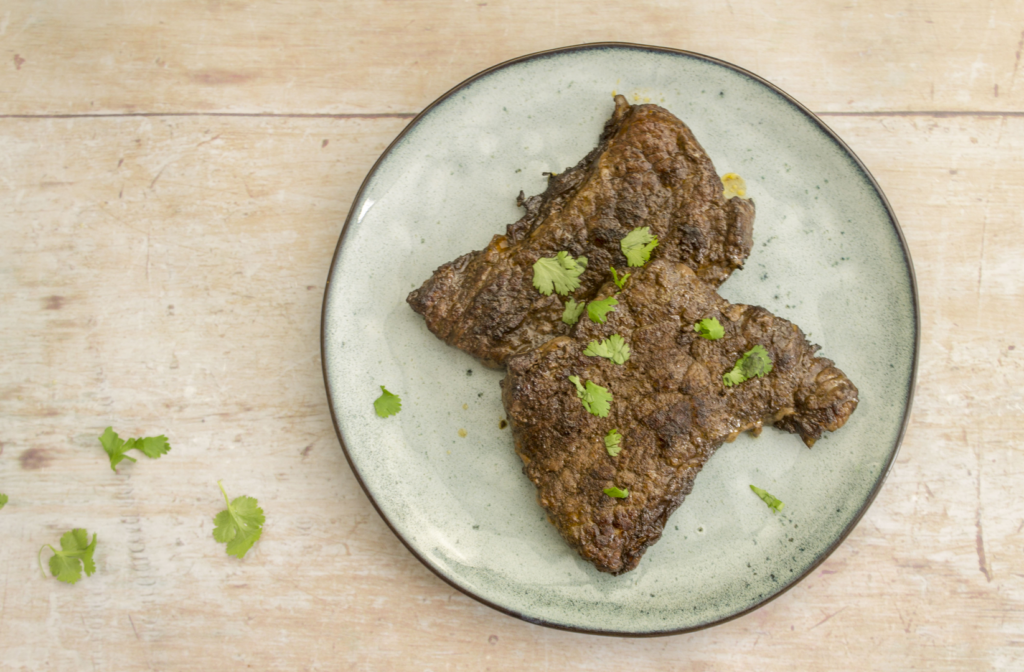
(800, 107)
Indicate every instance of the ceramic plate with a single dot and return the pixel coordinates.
(828, 255)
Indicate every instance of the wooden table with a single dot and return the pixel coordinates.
(173, 179)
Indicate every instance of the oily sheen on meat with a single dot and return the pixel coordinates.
(646, 171)
(670, 406)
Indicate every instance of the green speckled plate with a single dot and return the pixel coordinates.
(828, 255)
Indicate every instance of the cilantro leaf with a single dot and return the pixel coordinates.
(3, 500)
(75, 554)
(638, 245)
(710, 328)
(619, 282)
(572, 312)
(596, 399)
(613, 442)
(732, 378)
(614, 348)
(152, 446)
(116, 447)
(598, 310)
(559, 273)
(387, 404)
(754, 362)
(616, 492)
(773, 503)
(240, 525)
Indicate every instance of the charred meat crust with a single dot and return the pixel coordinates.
(670, 406)
(647, 170)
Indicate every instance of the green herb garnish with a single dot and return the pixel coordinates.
(116, 447)
(596, 399)
(773, 503)
(613, 442)
(638, 245)
(559, 273)
(572, 312)
(754, 362)
(387, 404)
(598, 310)
(619, 282)
(75, 554)
(3, 500)
(240, 525)
(616, 492)
(614, 348)
(710, 328)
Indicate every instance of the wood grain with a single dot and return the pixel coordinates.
(165, 273)
(186, 56)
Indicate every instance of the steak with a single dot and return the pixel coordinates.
(670, 406)
(646, 171)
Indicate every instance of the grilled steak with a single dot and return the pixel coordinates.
(647, 170)
(670, 406)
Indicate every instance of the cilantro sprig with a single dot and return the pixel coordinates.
(613, 442)
(75, 554)
(116, 447)
(619, 282)
(754, 362)
(617, 493)
(773, 503)
(572, 312)
(387, 404)
(638, 244)
(613, 348)
(3, 500)
(598, 311)
(710, 328)
(240, 525)
(559, 273)
(596, 399)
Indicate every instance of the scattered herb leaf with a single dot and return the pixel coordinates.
(773, 503)
(617, 493)
(619, 282)
(710, 328)
(116, 447)
(387, 404)
(754, 362)
(598, 310)
(3, 500)
(596, 399)
(638, 245)
(559, 273)
(614, 348)
(613, 442)
(572, 312)
(75, 554)
(240, 525)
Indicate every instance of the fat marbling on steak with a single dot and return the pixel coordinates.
(669, 404)
(647, 170)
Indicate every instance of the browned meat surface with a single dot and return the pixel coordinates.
(670, 406)
(647, 170)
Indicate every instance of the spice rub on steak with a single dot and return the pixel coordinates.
(647, 170)
(669, 405)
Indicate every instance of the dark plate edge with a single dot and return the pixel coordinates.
(810, 115)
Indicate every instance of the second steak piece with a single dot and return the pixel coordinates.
(670, 406)
(647, 171)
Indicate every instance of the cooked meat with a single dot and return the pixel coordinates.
(670, 406)
(647, 170)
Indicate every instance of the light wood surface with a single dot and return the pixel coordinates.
(173, 178)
